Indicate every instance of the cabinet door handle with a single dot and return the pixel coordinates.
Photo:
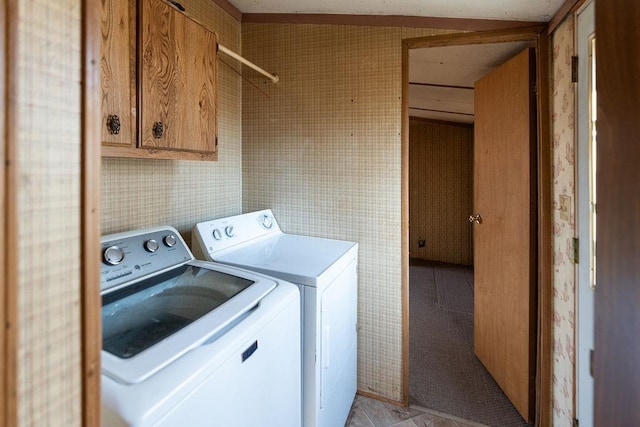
(113, 124)
(158, 130)
(475, 219)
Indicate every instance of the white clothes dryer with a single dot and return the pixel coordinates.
(325, 271)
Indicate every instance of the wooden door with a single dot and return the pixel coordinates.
(178, 81)
(504, 239)
(616, 361)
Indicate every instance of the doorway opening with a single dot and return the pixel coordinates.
(441, 370)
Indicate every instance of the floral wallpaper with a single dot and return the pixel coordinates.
(563, 111)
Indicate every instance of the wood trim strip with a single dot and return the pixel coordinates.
(545, 238)
(445, 86)
(90, 214)
(481, 37)
(380, 398)
(5, 206)
(567, 7)
(230, 9)
(404, 214)
(441, 111)
(11, 217)
(149, 153)
(386, 21)
(440, 122)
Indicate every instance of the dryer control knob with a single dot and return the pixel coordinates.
(170, 240)
(151, 245)
(113, 255)
(228, 230)
(267, 222)
(216, 234)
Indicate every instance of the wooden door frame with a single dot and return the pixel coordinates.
(91, 326)
(8, 277)
(538, 38)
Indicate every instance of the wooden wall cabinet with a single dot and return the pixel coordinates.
(166, 100)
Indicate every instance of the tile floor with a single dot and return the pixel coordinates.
(366, 412)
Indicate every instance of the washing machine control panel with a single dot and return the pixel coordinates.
(132, 255)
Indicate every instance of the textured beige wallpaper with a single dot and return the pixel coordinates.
(139, 193)
(322, 149)
(440, 191)
(48, 162)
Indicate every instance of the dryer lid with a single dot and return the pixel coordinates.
(297, 259)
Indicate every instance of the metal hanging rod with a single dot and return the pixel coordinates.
(274, 78)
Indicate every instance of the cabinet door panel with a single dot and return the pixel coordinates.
(117, 72)
(178, 81)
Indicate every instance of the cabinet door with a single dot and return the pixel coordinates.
(178, 81)
(117, 72)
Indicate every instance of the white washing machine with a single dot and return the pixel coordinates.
(325, 271)
(192, 343)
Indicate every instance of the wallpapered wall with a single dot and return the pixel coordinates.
(47, 107)
(322, 148)
(563, 119)
(140, 193)
(440, 191)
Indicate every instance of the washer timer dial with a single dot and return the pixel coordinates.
(113, 255)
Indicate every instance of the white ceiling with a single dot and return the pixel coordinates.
(510, 10)
(459, 66)
(441, 79)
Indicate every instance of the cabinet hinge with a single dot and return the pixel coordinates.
(574, 69)
(575, 422)
(576, 250)
(216, 141)
(591, 362)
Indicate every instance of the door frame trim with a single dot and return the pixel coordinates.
(90, 311)
(540, 41)
(9, 216)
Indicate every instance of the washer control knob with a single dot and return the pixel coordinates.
(216, 234)
(113, 255)
(228, 230)
(170, 240)
(267, 221)
(151, 245)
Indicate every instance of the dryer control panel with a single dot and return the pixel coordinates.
(219, 235)
(129, 256)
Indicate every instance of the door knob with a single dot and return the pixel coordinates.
(475, 218)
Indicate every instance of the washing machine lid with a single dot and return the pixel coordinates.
(294, 258)
(148, 324)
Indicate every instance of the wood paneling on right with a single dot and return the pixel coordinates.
(440, 196)
(617, 317)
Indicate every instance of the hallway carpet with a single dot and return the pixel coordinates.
(445, 375)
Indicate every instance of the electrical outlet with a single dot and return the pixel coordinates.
(565, 208)
(422, 243)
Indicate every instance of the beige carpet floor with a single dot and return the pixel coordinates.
(445, 375)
